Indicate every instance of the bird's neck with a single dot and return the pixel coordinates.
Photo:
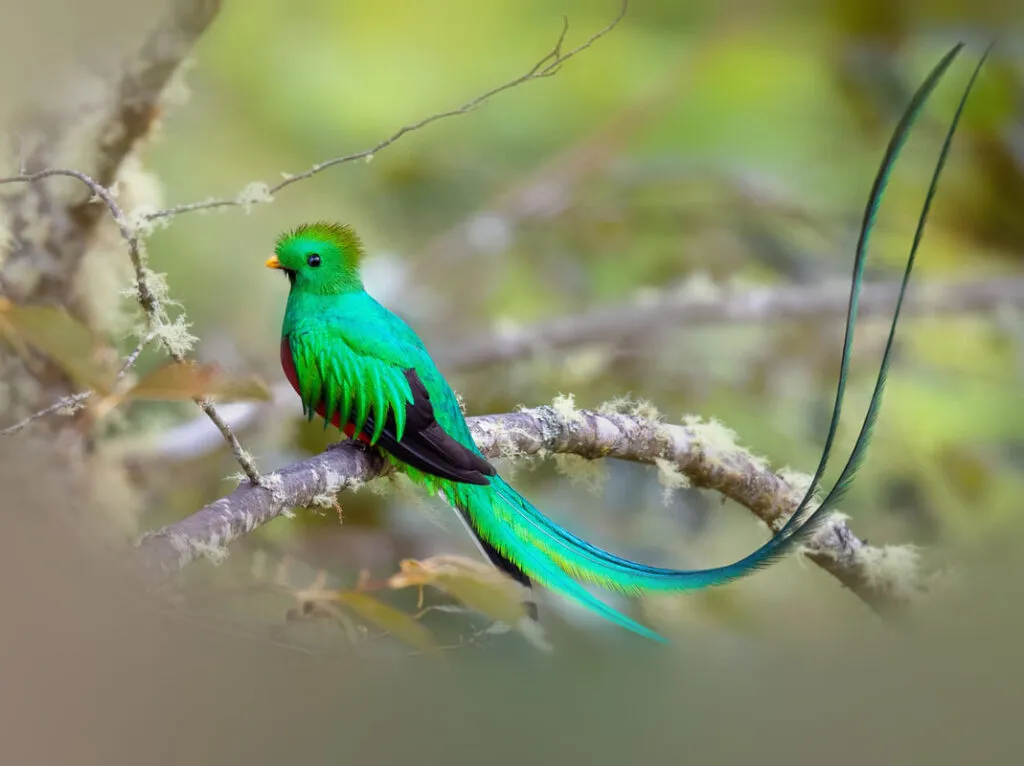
(306, 307)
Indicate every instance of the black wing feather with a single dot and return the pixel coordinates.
(426, 446)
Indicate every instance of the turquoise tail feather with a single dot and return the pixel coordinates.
(554, 556)
(486, 508)
(863, 438)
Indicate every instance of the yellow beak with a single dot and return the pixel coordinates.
(273, 263)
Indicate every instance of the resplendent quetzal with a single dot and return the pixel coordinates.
(364, 370)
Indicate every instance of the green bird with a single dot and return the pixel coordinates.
(364, 370)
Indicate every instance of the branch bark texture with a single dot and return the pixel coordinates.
(697, 450)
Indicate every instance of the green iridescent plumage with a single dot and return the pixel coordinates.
(362, 368)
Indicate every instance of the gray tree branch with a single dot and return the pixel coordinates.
(126, 121)
(751, 305)
(697, 450)
(140, 91)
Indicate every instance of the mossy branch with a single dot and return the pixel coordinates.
(153, 307)
(705, 453)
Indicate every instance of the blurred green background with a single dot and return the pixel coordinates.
(698, 144)
(700, 147)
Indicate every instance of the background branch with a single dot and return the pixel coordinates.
(143, 82)
(66, 406)
(127, 120)
(547, 66)
(610, 326)
(53, 228)
(692, 308)
(707, 461)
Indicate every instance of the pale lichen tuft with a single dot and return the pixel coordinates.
(211, 551)
(894, 569)
(798, 480)
(176, 337)
(592, 474)
(627, 405)
(564, 406)
(236, 478)
(670, 478)
(254, 193)
(325, 501)
(715, 438)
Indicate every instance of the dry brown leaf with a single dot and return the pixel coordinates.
(178, 381)
(66, 341)
(476, 584)
(399, 624)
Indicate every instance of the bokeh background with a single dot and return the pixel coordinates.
(692, 149)
(698, 147)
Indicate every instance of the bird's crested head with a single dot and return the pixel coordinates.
(320, 258)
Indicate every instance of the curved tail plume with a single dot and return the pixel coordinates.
(553, 556)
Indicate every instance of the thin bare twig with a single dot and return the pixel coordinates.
(133, 357)
(541, 193)
(707, 462)
(146, 298)
(68, 405)
(547, 66)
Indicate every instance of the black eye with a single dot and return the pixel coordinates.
(313, 260)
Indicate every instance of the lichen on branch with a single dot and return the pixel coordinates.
(699, 451)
